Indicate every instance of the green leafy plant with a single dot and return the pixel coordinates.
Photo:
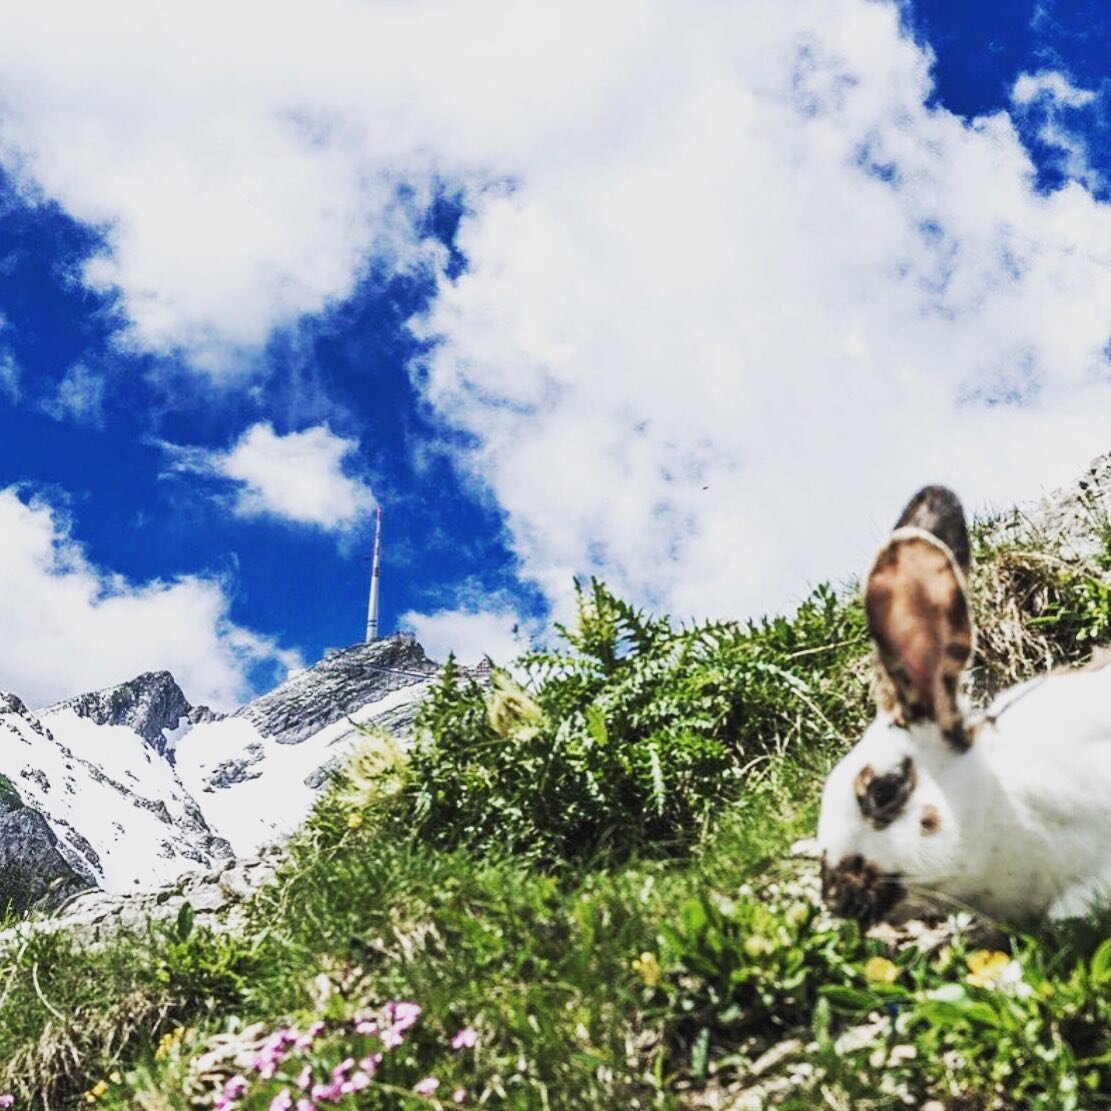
(635, 735)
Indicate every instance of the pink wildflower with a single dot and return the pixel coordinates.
(358, 1081)
(459, 1095)
(304, 1078)
(369, 1065)
(7, 1100)
(402, 1015)
(283, 1101)
(343, 1068)
(465, 1039)
(366, 1026)
(306, 1105)
(392, 1037)
(234, 1087)
(426, 1086)
(274, 1052)
(310, 1035)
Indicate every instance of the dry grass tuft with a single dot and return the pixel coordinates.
(1019, 596)
(45, 1072)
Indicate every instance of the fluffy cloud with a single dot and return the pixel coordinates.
(469, 633)
(1049, 102)
(298, 477)
(70, 626)
(1029, 87)
(708, 347)
(733, 288)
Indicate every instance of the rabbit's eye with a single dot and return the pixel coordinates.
(881, 798)
(883, 791)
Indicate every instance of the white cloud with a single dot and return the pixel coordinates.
(9, 376)
(9, 368)
(707, 348)
(733, 289)
(70, 626)
(1043, 98)
(470, 634)
(298, 477)
(79, 397)
(1029, 87)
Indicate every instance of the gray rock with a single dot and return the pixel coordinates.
(33, 873)
(343, 682)
(238, 770)
(148, 704)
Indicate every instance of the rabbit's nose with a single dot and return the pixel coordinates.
(855, 888)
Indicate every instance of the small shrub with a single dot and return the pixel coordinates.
(9, 796)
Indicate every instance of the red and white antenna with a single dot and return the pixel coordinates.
(372, 608)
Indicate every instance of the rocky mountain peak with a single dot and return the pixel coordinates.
(149, 704)
(343, 682)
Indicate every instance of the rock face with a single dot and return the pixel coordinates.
(152, 705)
(342, 683)
(114, 806)
(216, 898)
(33, 873)
(1080, 514)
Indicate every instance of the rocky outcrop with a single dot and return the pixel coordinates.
(150, 704)
(257, 773)
(1077, 517)
(33, 873)
(342, 683)
(130, 787)
(102, 805)
(216, 898)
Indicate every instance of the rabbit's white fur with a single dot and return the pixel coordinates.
(1016, 826)
(1023, 818)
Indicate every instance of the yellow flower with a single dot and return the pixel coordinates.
(96, 1091)
(879, 970)
(510, 709)
(647, 967)
(354, 821)
(169, 1042)
(986, 967)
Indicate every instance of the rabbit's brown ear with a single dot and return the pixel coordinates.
(938, 510)
(918, 614)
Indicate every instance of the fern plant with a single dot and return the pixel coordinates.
(633, 734)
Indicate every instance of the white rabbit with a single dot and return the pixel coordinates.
(1008, 812)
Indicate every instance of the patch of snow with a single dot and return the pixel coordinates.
(272, 798)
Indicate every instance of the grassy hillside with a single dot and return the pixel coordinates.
(578, 892)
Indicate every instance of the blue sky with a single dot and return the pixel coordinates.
(687, 300)
(105, 461)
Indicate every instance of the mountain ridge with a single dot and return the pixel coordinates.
(129, 787)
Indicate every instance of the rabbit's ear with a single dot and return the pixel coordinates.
(937, 509)
(918, 614)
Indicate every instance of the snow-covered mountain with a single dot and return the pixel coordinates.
(114, 806)
(129, 787)
(257, 772)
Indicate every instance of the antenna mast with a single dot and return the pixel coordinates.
(372, 608)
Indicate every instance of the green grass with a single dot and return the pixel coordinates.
(630, 931)
(9, 796)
